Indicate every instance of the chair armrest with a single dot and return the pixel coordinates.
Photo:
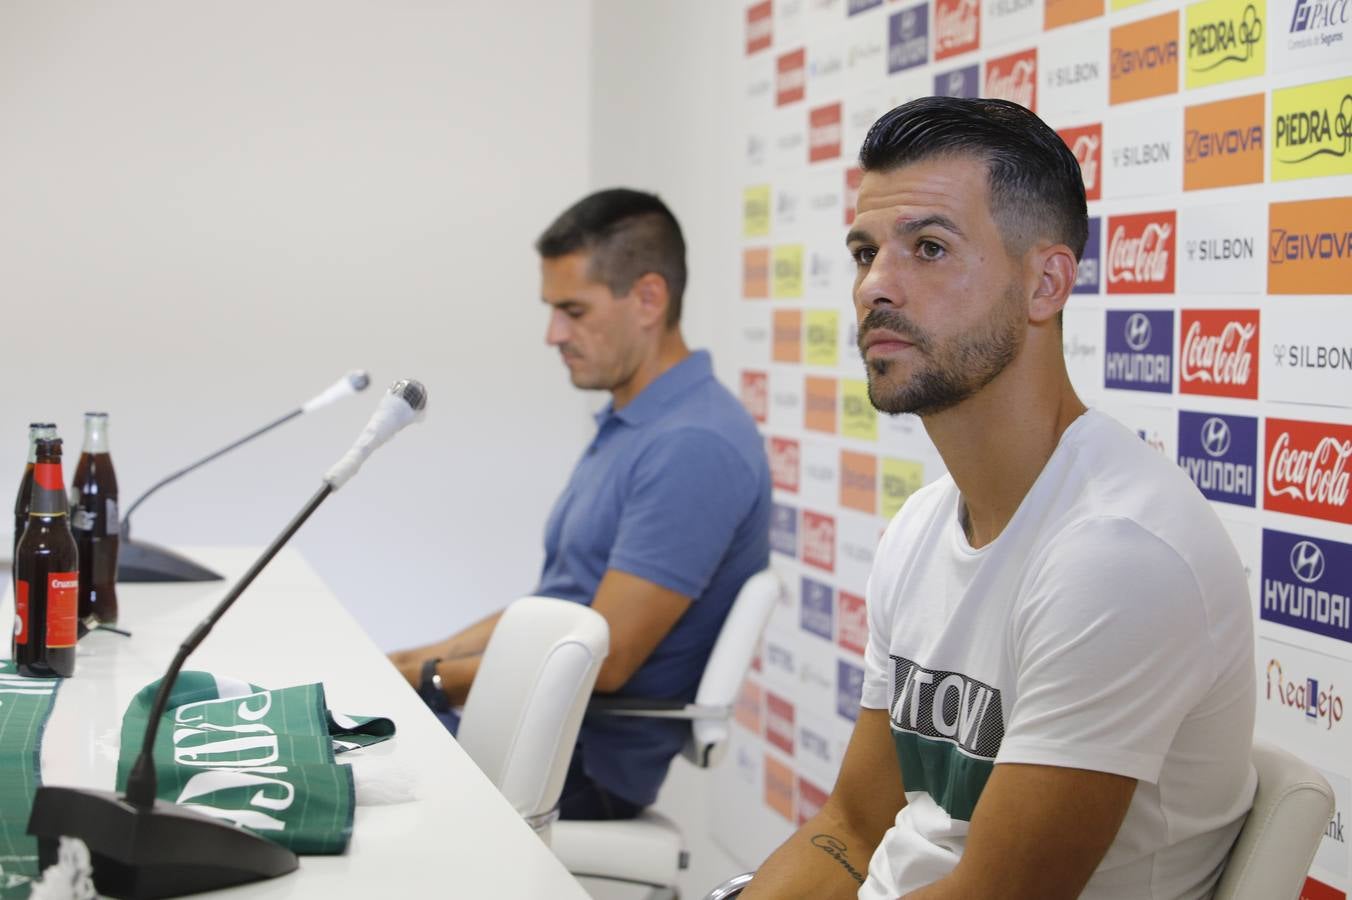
(730, 888)
(654, 709)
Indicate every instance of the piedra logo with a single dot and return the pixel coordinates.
(1312, 130)
(1225, 41)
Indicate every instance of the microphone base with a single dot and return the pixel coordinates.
(140, 562)
(167, 851)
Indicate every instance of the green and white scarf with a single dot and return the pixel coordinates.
(263, 759)
(25, 705)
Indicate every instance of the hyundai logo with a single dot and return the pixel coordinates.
(1215, 436)
(1138, 331)
(1307, 561)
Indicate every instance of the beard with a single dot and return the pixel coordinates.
(949, 372)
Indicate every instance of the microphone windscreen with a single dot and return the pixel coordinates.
(413, 393)
(359, 379)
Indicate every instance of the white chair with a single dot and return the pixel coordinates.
(1274, 849)
(523, 712)
(650, 849)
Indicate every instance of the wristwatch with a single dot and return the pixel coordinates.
(429, 687)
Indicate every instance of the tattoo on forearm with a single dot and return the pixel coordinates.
(835, 848)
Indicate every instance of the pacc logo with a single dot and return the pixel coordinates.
(1087, 275)
(819, 540)
(784, 463)
(815, 614)
(1086, 142)
(1139, 351)
(1220, 455)
(1319, 703)
(784, 529)
(1140, 253)
(1315, 15)
(790, 77)
(1014, 78)
(1144, 59)
(1223, 143)
(1312, 130)
(1308, 469)
(759, 27)
(1224, 42)
(1219, 353)
(755, 392)
(957, 27)
(824, 133)
(908, 38)
(1305, 583)
(957, 83)
(1310, 246)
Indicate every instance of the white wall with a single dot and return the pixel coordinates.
(210, 211)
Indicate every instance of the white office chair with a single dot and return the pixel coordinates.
(650, 850)
(524, 709)
(1274, 849)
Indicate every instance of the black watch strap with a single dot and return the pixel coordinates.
(429, 687)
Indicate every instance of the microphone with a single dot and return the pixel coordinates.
(144, 847)
(139, 562)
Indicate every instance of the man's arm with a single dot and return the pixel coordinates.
(1038, 832)
(460, 654)
(828, 856)
(640, 614)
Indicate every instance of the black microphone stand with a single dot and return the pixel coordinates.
(142, 847)
(141, 561)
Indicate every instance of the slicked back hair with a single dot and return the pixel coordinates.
(627, 234)
(1034, 181)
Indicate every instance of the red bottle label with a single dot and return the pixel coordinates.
(21, 612)
(48, 475)
(61, 609)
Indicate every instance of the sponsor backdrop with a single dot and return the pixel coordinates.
(1212, 315)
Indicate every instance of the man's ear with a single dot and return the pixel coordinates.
(1055, 267)
(651, 292)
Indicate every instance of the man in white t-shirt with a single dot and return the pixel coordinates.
(1058, 696)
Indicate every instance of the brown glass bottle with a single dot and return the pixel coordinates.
(93, 520)
(36, 430)
(46, 566)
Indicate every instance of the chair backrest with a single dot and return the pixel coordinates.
(728, 664)
(1273, 852)
(521, 718)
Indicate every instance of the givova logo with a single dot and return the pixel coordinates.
(1312, 130)
(1220, 455)
(1306, 583)
(947, 706)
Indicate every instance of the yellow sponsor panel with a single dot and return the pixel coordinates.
(787, 262)
(1126, 4)
(901, 479)
(858, 418)
(822, 328)
(1312, 130)
(1225, 40)
(756, 210)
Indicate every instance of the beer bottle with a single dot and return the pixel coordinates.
(35, 430)
(46, 566)
(93, 519)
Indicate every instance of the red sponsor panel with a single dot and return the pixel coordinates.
(746, 708)
(1013, 78)
(784, 463)
(1141, 258)
(819, 540)
(1308, 468)
(759, 27)
(854, 176)
(1218, 353)
(851, 622)
(957, 27)
(1317, 890)
(811, 799)
(823, 133)
(779, 787)
(779, 722)
(790, 77)
(756, 394)
(1086, 142)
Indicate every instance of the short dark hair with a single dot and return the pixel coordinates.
(1036, 189)
(628, 234)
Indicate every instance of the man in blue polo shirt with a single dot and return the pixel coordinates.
(667, 512)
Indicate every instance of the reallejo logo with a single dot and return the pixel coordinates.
(1140, 253)
(1144, 58)
(1310, 246)
(957, 27)
(819, 540)
(759, 27)
(1305, 696)
(755, 394)
(1086, 142)
(1305, 584)
(784, 463)
(1308, 469)
(790, 77)
(1312, 130)
(1014, 78)
(1223, 143)
(1219, 353)
(824, 133)
(1225, 41)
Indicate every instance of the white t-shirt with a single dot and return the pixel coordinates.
(1107, 628)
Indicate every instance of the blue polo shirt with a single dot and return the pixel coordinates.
(675, 489)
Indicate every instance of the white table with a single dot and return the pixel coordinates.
(457, 837)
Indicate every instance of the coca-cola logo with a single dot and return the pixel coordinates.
(1086, 143)
(1219, 357)
(1140, 254)
(1014, 78)
(824, 133)
(1315, 475)
(784, 459)
(819, 540)
(957, 25)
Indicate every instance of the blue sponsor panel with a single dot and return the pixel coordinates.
(855, 7)
(957, 83)
(1139, 350)
(1306, 582)
(908, 38)
(816, 612)
(1087, 276)
(849, 689)
(1220, 455)
(784, 529)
